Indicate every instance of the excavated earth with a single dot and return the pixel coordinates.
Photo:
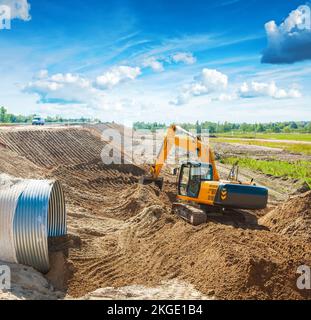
(125, 242)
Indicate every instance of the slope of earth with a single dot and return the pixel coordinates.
(52, 147)
(18, 166)
(292, 218)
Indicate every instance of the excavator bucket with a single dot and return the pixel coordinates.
(150, 180)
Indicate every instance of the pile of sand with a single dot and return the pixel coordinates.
(293, 218)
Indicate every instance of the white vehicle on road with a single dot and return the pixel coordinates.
(38, 121)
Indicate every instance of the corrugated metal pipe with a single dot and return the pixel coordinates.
(31, 211)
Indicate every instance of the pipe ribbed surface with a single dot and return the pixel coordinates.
(9, 195)
(31, 212)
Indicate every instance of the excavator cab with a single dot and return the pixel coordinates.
(190, 178)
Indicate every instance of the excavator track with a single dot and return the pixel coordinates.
(194, 216)
(234, 217)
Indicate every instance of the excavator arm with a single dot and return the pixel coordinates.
(187, 142)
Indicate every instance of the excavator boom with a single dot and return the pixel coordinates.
(187, 142)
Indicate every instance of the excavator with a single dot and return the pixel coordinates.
(200, 190)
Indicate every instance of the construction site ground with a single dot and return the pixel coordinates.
(125, 243)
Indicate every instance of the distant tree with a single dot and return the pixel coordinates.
(260, 128)
(3, 115)
(244, 127)
(293, 125)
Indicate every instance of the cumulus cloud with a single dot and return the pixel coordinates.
(79, 92)
(209, 81)
(154, 64)
(157, 63)
(20, 9)
(261, 89)
(65, 89)
(215, 86)
(290, 41)
(184, 57)
(116, 76)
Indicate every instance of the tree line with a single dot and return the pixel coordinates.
(212, 127)
(9, 118)
(227, 127)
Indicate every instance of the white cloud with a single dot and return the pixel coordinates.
(154, 64)
(291, 41)
(116, 76)
(209, 81)
(157, 63)
(65, 89)
(213, 79)
(262, 89)
(19, 9)
(184, 57)
(79, 92)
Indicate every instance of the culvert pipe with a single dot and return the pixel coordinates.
(31, 212)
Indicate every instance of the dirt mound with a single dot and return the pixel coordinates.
(53, 147)
(98, 188)
(293, 218)
(132, 202)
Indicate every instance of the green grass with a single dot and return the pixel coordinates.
(269, 136)
(293, 148)
(297, 170)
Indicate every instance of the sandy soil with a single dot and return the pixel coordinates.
(257, 152)
(125, 239)
(292, 219)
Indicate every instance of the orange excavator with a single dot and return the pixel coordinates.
(200, 189)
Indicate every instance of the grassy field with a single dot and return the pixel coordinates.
(269, 136)
(294, 148)
(298, 170)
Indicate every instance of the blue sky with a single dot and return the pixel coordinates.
(168, 61)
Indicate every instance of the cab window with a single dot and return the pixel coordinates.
(184, 180)
(206, 172)
(195, 182)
